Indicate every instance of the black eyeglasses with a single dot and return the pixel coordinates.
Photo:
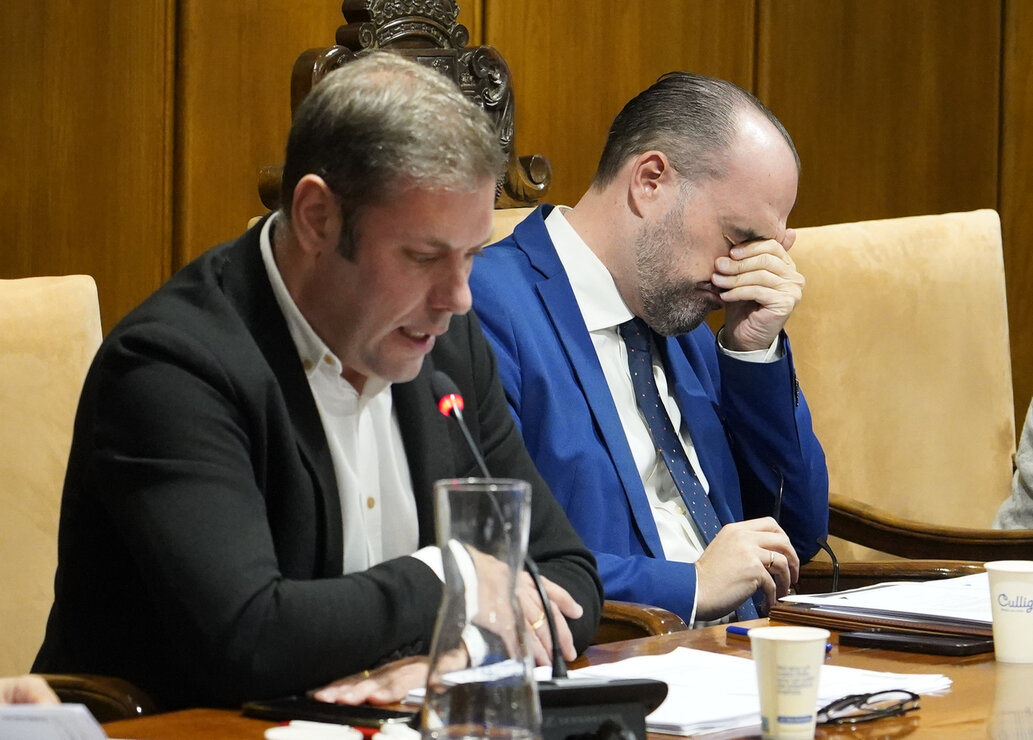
(866, 707)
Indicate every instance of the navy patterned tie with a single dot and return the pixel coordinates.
(636, 335)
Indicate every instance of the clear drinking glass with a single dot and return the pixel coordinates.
(481, 682)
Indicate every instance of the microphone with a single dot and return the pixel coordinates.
(450, 403)
(572, 708)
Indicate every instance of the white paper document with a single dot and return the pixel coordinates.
(49, 722)
(708, 692)
(964, 600)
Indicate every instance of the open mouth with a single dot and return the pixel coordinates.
(416, 336)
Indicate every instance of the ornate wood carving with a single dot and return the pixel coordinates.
(426, 31)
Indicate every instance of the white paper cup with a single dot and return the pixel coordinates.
(788, 661)
(1011, 600)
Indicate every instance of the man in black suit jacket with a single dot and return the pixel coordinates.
(239, 433)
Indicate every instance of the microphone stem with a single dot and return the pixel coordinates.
(469, 441)
(559, 665)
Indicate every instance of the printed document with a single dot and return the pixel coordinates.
(708, 692)
(963, 601)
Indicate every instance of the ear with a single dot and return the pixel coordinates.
(315, 215)
(652, 183)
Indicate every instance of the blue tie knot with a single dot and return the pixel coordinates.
(635, 334)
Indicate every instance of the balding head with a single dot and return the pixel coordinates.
(693, 119)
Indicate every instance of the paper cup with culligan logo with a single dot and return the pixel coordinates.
(788, 661)
(1011, 601)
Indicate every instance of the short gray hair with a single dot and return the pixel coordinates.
(382, 124)
(691, 118)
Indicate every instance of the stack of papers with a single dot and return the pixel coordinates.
(949, 605)
(48, 722)
(709, 692)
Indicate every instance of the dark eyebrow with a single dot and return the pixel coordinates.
(443, 246)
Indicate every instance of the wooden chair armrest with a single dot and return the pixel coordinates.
(106, 697)
(625, 620)
(880, 530)
(816, 576)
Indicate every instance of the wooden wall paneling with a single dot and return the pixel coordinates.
(471, 15)
(1017, 194)
(86, 148)
(893, 103)
(576, 63)
(233, 106)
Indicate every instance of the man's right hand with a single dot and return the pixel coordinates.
(743, 557)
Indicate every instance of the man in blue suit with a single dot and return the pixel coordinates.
(706, 499)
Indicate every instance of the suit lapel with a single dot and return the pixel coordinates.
(247, 284)
(558, 300)
(426, 436)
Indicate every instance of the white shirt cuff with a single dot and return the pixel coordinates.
(431, 557)
(773, 353)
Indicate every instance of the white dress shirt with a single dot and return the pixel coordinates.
(603, 310)
(378, 510)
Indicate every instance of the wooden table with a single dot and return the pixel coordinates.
(987, 699)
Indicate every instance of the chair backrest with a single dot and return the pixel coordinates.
(901, 347)
(504, 220)
(426, 32)
(49, 331)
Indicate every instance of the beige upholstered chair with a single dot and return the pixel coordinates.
(49, 331)
(901, 346)
(505, 220)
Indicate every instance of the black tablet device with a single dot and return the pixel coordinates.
(302, 706)
(566, 702)
(917, 642)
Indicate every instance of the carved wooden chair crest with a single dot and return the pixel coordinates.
(426, 31)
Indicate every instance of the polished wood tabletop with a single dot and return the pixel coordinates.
(986, 699)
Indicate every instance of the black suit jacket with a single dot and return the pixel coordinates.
(200, 546)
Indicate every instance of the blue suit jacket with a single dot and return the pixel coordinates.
(748, 421)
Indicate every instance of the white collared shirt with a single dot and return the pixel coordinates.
(378, 510)
(603, 310)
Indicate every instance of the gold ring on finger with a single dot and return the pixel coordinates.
(538, 622)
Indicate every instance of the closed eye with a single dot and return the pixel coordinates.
(421, 258)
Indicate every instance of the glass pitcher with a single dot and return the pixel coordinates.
(481, 682)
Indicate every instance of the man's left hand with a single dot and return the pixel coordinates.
(761, 288)
(390, 683)
(563, 605)
(387, 684)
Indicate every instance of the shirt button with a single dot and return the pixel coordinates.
(328, 359)
(307, 364)
(371, 502)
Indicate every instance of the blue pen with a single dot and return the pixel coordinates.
(735, 630)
